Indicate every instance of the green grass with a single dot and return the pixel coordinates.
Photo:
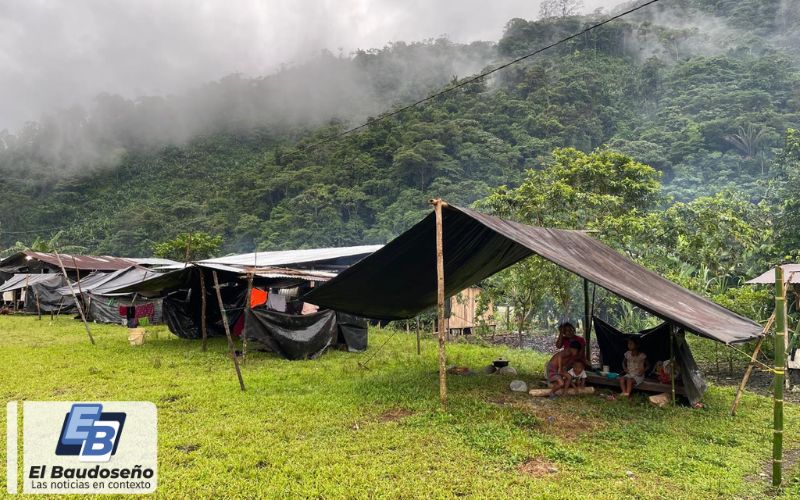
(328, 428)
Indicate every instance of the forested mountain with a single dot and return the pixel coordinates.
(702, 90)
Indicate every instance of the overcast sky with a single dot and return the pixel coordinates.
(58, 53)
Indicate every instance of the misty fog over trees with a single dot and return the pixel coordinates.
(702, 91)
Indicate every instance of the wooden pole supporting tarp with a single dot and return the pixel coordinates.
(227, 330)
(203, 329)
(587, 321)
(779, 367)
(77, 302)
(437, 206)
(672, 329)
(749, 370)
(419, 351)
(248, 305)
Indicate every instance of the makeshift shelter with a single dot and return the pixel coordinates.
(29, 261)
(294, 336)
(180, 291)
(38, 293)
(306, 336)
(334, 259)
(454, 248)
(655, 343)
(104, 306)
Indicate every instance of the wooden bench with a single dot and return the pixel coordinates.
(647, 385)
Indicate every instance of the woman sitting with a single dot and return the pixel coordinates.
(567, 334)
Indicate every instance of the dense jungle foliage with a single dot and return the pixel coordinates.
(670, 131)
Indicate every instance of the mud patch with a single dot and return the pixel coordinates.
(394, 414)
(549, 417)
(790, 459)
(537, 467)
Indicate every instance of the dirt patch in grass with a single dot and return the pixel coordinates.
(790, 459)
(537, 467)
(188, 448)
(394, 414)
(552, 418)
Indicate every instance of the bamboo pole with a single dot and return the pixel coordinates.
(203, 329)
(780, 364)
(749, 370)
(437, 207)
(227, 330)
(77, 302)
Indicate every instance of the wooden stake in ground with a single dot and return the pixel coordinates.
(227, 330)
(77, 302)
(203, 330)
(751, 365)
(780, 367)
(437, 207)
(418, 334)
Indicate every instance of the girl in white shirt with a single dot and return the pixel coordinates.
(634, 365)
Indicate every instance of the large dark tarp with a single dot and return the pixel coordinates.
(654, 342)
(399, 280)
(45, 291)
(181, 310)
(304, 336)
(106, 309)
(352, 331)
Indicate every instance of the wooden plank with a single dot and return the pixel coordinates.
(573, 391)
(645, 386)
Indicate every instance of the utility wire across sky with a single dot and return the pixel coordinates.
(464, 83)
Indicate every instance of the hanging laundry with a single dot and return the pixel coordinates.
(276, 302)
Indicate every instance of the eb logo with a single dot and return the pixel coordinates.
(90, 434)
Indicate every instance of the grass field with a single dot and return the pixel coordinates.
(328, 428)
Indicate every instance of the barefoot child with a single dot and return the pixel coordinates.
(556, 368)
(577, 375)
(634, 365)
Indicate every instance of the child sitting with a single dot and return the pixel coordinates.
(634, 365)
(556, 368)
(577, 375)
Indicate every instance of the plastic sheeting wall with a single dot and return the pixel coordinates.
(655, 344)
(305, 336)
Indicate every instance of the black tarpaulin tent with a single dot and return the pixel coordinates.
(655, 343)
(399, 280)
(304, 336)
(181, 292)
(41, 292)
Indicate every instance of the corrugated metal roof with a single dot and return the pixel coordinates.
(791, 274)
(153, 261)
(287, 257)
(71, 262)
(282, 272)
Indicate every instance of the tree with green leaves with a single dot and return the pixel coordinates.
(189, 247)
